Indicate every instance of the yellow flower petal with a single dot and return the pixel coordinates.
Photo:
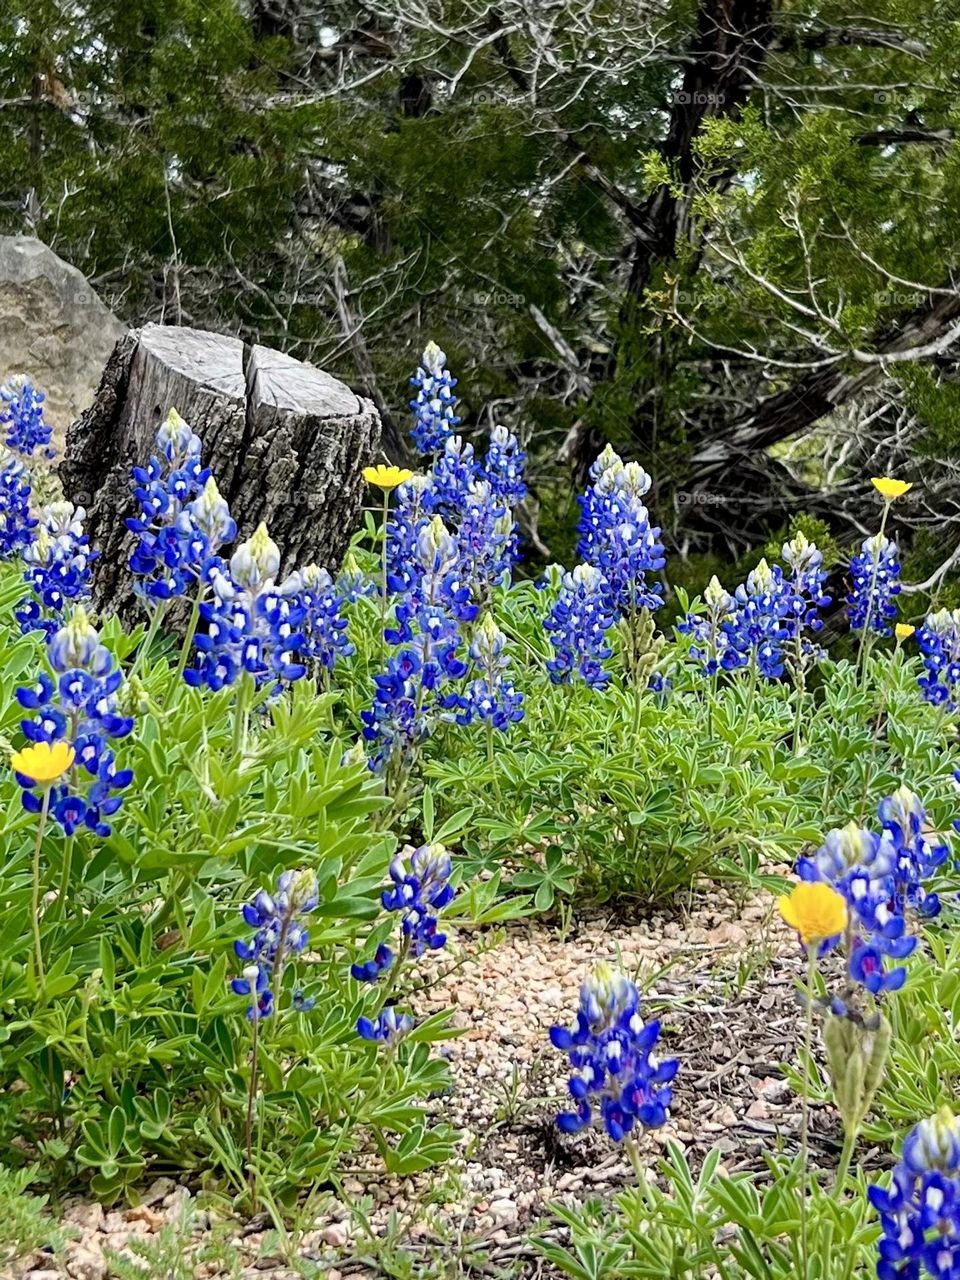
(815, 910)
(386, 477)
(44, 762)
(890, 488)
(904, 630)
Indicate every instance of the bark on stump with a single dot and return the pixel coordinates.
(286, 443)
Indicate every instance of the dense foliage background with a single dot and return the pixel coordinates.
(721, 235)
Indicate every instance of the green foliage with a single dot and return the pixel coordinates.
(25, 1223)
(738, 1226)
(133, 1052)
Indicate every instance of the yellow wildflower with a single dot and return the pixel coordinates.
(386, 477)
(904, 630)
(815, 910)
(44, 762)
(889, 488)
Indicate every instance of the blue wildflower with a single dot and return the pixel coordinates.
(80, 705)
(279, 934)
(183, 519)
(17, 523)
(616, 534)
(413, 691)
(21, 406)
(863, 867)
(803, 595)
(939, 643)
(710, 630)
(577, 626)
(387, 1028)
(252, 624)
(420, 891)
(58, 568)
(323, 626)
(370, 970)
(435, 404)
(917, 859)
(611, 1050)
(874, 581)
(920, 1211)
(503, 467)
(756, 633)
(489, 697)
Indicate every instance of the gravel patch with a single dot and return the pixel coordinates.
(722, 979)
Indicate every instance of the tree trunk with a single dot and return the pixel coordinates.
(286, 443)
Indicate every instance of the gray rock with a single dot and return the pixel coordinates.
(53, 327)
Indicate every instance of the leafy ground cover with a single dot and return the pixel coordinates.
(424, 920)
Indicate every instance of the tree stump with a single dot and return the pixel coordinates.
(286, 443)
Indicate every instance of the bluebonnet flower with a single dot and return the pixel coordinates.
(616, 534)
(352, 582)
(411, 692)
(485, 541)
(711, 641)
(453, 473)
(405, 522)
(17, 523)
(323, 626)
(803, 594)
(419, 892)
(756, 632)
(904, 817)
(874, 581)
(58, 568)
(252, 624)
(82, 707)
(370, 970)
(387, 1028)
(939, 643)
(435, 404)
(920, 1211)
(279, 934)
(611, 1050)
(21, 406)
(864, 868)
(489, 697)
(503, 467)
(183, 520)
(577, 625)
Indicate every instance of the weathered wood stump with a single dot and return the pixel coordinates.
(286, 442)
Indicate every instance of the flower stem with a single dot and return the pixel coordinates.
(147, 642)
(35, 903)
(383, 568)
(805, 1113)
(65, 877)
(251, 1100)
(191, 632)
(846, 1155)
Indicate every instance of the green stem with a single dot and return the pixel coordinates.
(65, 877)
(240, 713)
(383, 566)
(147, 642)
(633, 1154)
(251, 1100)
(805, 1113)
(846, 1155)
(35, 902)
(190, 633)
